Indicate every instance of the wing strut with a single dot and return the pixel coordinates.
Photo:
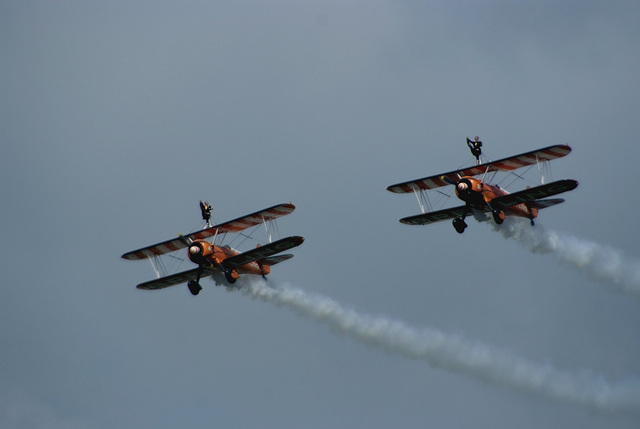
(270, 225)
(543, 168)
(266, 228)
(421, 197)
(158, 266)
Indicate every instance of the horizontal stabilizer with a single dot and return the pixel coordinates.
(262, 252)
(532, 194)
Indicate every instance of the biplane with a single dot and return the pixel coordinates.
(481, 197)
(222, 262)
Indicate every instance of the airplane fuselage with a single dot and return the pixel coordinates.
(479, 194)
(202, 252)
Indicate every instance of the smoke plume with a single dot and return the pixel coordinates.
(603, 263)
(455, 353)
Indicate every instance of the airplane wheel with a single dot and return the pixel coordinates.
(497, 217)
(532, 222)
(459, 224)
(194, 287)
(229, 278)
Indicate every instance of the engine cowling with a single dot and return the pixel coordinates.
(469, 189)
(199, 250)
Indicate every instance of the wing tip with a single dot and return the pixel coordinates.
(410, 220)
(132, 256)
(290, 207)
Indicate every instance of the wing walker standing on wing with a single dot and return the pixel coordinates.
(206, 208)
(475, 147)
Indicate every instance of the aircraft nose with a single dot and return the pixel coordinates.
(462, 186)
(194, 250)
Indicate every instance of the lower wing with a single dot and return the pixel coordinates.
(272, 260)
(431, 217)
(175, 279)
(543, 204)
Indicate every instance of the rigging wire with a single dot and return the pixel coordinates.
(246, 236)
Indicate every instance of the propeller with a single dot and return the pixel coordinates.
(185, 240)
(449, 180)
(462, 185)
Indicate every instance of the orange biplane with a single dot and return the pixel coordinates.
(217, 260)
(482, 197)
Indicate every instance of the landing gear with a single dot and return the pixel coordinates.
(194, 287)
(532, 222)
(459, 224)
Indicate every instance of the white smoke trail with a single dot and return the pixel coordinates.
(454, 353)
(603, 263)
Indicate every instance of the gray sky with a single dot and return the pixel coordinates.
(118, 117)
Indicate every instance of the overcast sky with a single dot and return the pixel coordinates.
(117, 117)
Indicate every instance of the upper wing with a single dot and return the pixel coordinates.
(431, 217)
(174, 279)
(532, 194)
(262, 252)
(506, 164)
(235, 225)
